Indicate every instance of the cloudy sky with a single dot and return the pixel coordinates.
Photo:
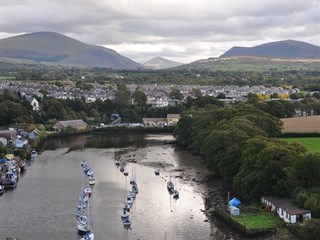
(180, 30)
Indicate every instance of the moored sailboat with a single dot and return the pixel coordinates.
(33, 154)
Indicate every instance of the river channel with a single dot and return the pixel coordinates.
(43, 205)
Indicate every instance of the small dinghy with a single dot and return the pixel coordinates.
(83, 229)
(170, 187)
(87, 192)
(157, 172)
(175, 194)
(126, 223)
(129, 200)
(88, 237)
(124, 213)
(33, 154)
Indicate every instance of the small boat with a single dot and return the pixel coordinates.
(84, 163)
(89, 173)
(157, 172)
(82, 204)
(86, 168)
(88, 237)
(83, 229)
(80, 212)
(132, 181)
(10, 180)
(126, 208)
(170, 187)
(87, 191)
(132, 194)
(126, 223)
(135, 188)
(124, 213)
(92, 181)
(129, 200)
(82, 219)
(1, 189)
(175, 194)
(34, 154)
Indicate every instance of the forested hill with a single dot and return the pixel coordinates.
(288, 49)
(55, 49)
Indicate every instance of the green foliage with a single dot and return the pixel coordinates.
(264, 168)
(310, 230)
(175, 94)
(21, 152)
(305, 171)
(3, 150)
(123, 96)
(221, 133)
(313, 203)
(221, 96)
(139, 98)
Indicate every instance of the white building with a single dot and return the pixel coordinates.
(285, 209)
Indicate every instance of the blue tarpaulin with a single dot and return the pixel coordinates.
(3, 160)
(234, 202)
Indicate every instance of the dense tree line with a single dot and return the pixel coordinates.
(131, 108)
(304, 78)
(239, 143)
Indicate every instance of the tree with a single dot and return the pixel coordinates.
(175, 93)
(310, 230)
(196, 92)
(221, 96)
(294, 96)
(139, 98)
(265, 167)
(305, 171)
(123, 96)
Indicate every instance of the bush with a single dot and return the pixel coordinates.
(310, 230)
(22, 153)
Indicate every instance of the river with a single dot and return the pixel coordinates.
(43, 205)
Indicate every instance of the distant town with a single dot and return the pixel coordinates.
(158, 95)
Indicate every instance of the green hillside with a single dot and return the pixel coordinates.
(247, 64)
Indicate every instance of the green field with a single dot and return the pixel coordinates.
(312, 144)
(259, 220)
(7, 78)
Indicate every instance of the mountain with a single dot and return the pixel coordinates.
(288, 49)
(50, 48)
(161, 63)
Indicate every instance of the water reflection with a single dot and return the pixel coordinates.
(44, 203)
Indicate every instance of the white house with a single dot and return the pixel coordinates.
(159, 102)
(35, 104)
(285, 209)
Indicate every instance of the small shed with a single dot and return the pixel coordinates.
(234, 211)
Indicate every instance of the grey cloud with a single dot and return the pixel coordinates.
(213, 25)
